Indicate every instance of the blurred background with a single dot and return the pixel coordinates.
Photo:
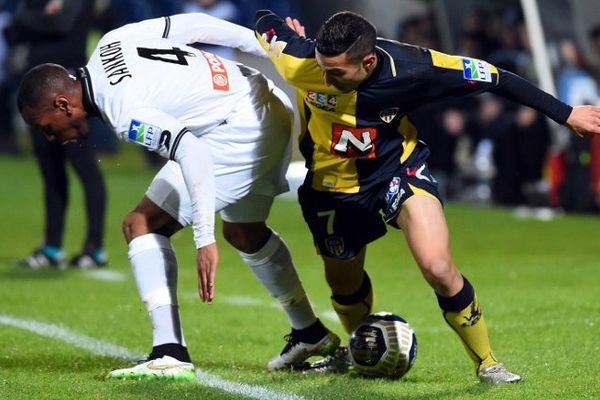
(485, 149)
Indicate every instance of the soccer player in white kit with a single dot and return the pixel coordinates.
(225, 129)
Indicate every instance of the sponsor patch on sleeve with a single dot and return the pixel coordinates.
(144, 134)
(476, 70)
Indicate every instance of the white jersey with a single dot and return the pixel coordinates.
(156, 91)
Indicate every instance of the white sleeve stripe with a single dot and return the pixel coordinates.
(167, 27)
(176, 143)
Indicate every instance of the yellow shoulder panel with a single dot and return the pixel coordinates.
(299, 72)
(447, 61)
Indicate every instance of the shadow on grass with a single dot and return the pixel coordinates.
(405, 389)
(15, 272)
(58, 363)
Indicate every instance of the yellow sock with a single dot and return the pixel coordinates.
(352, 309)
(470, 326)
(463, 313)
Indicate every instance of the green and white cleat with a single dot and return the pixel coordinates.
(165, 367)
(496, 374)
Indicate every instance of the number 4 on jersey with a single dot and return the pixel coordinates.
(164, 55)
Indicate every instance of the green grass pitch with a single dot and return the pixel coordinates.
(538, 282)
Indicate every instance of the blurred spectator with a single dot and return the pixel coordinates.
(478, 31)
(130, 11)
(223, 9)
(594, 36)
(8, 140)
(510, 142)
(577, 190)
(56, 31)
(419, 30)
(247, 9)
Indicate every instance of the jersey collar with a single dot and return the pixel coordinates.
(88, 93)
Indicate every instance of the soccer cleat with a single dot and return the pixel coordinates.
(496, 374)
(336, 363)
(89, 260)
(165, 367)
(40, 260)
(296, 352)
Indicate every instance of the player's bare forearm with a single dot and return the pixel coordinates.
(585, 120)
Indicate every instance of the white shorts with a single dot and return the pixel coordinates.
(248, 173)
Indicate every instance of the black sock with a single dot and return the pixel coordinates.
(174, 350)
(311, 334)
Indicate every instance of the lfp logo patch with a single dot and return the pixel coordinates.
(476, 70)
(145, 134)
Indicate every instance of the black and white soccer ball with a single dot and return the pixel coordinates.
(383, 346)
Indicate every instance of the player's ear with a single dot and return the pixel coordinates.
(62, 103)
(369, 60)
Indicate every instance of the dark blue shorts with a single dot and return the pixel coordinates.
(342, 224)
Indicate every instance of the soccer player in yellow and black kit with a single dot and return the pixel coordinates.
(354, 92)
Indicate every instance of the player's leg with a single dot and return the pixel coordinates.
(269, 258)
(351, 290)
(422, 220)
(162, 212)
(342, 227)
(83, 159)
(51, 160)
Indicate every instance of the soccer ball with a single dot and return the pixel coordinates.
(383, 346)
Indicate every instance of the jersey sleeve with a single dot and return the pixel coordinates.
(454, 76)
(203, 28)
(292, 55)
(194, 28)
(515, 88)
(152, 129)
(159, 132)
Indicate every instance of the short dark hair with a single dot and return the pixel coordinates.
(40, 82)
(346, 32)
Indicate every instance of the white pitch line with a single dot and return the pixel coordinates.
(252, 391)
(107, 349)
(84, 342)
(106, 275)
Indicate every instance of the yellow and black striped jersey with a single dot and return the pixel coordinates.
(350, 140)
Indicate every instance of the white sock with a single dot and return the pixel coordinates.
(154, 267)
(273, 267)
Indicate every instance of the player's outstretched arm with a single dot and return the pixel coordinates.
(584, 120)
(203, 28)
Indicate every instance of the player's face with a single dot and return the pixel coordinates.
(63, 123)
(345, 74)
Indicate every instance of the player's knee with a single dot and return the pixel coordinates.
(439, 272)
(135, 224)
(247, 238)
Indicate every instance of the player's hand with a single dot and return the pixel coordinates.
(585, 120)
(207, 260)
(296, 26)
